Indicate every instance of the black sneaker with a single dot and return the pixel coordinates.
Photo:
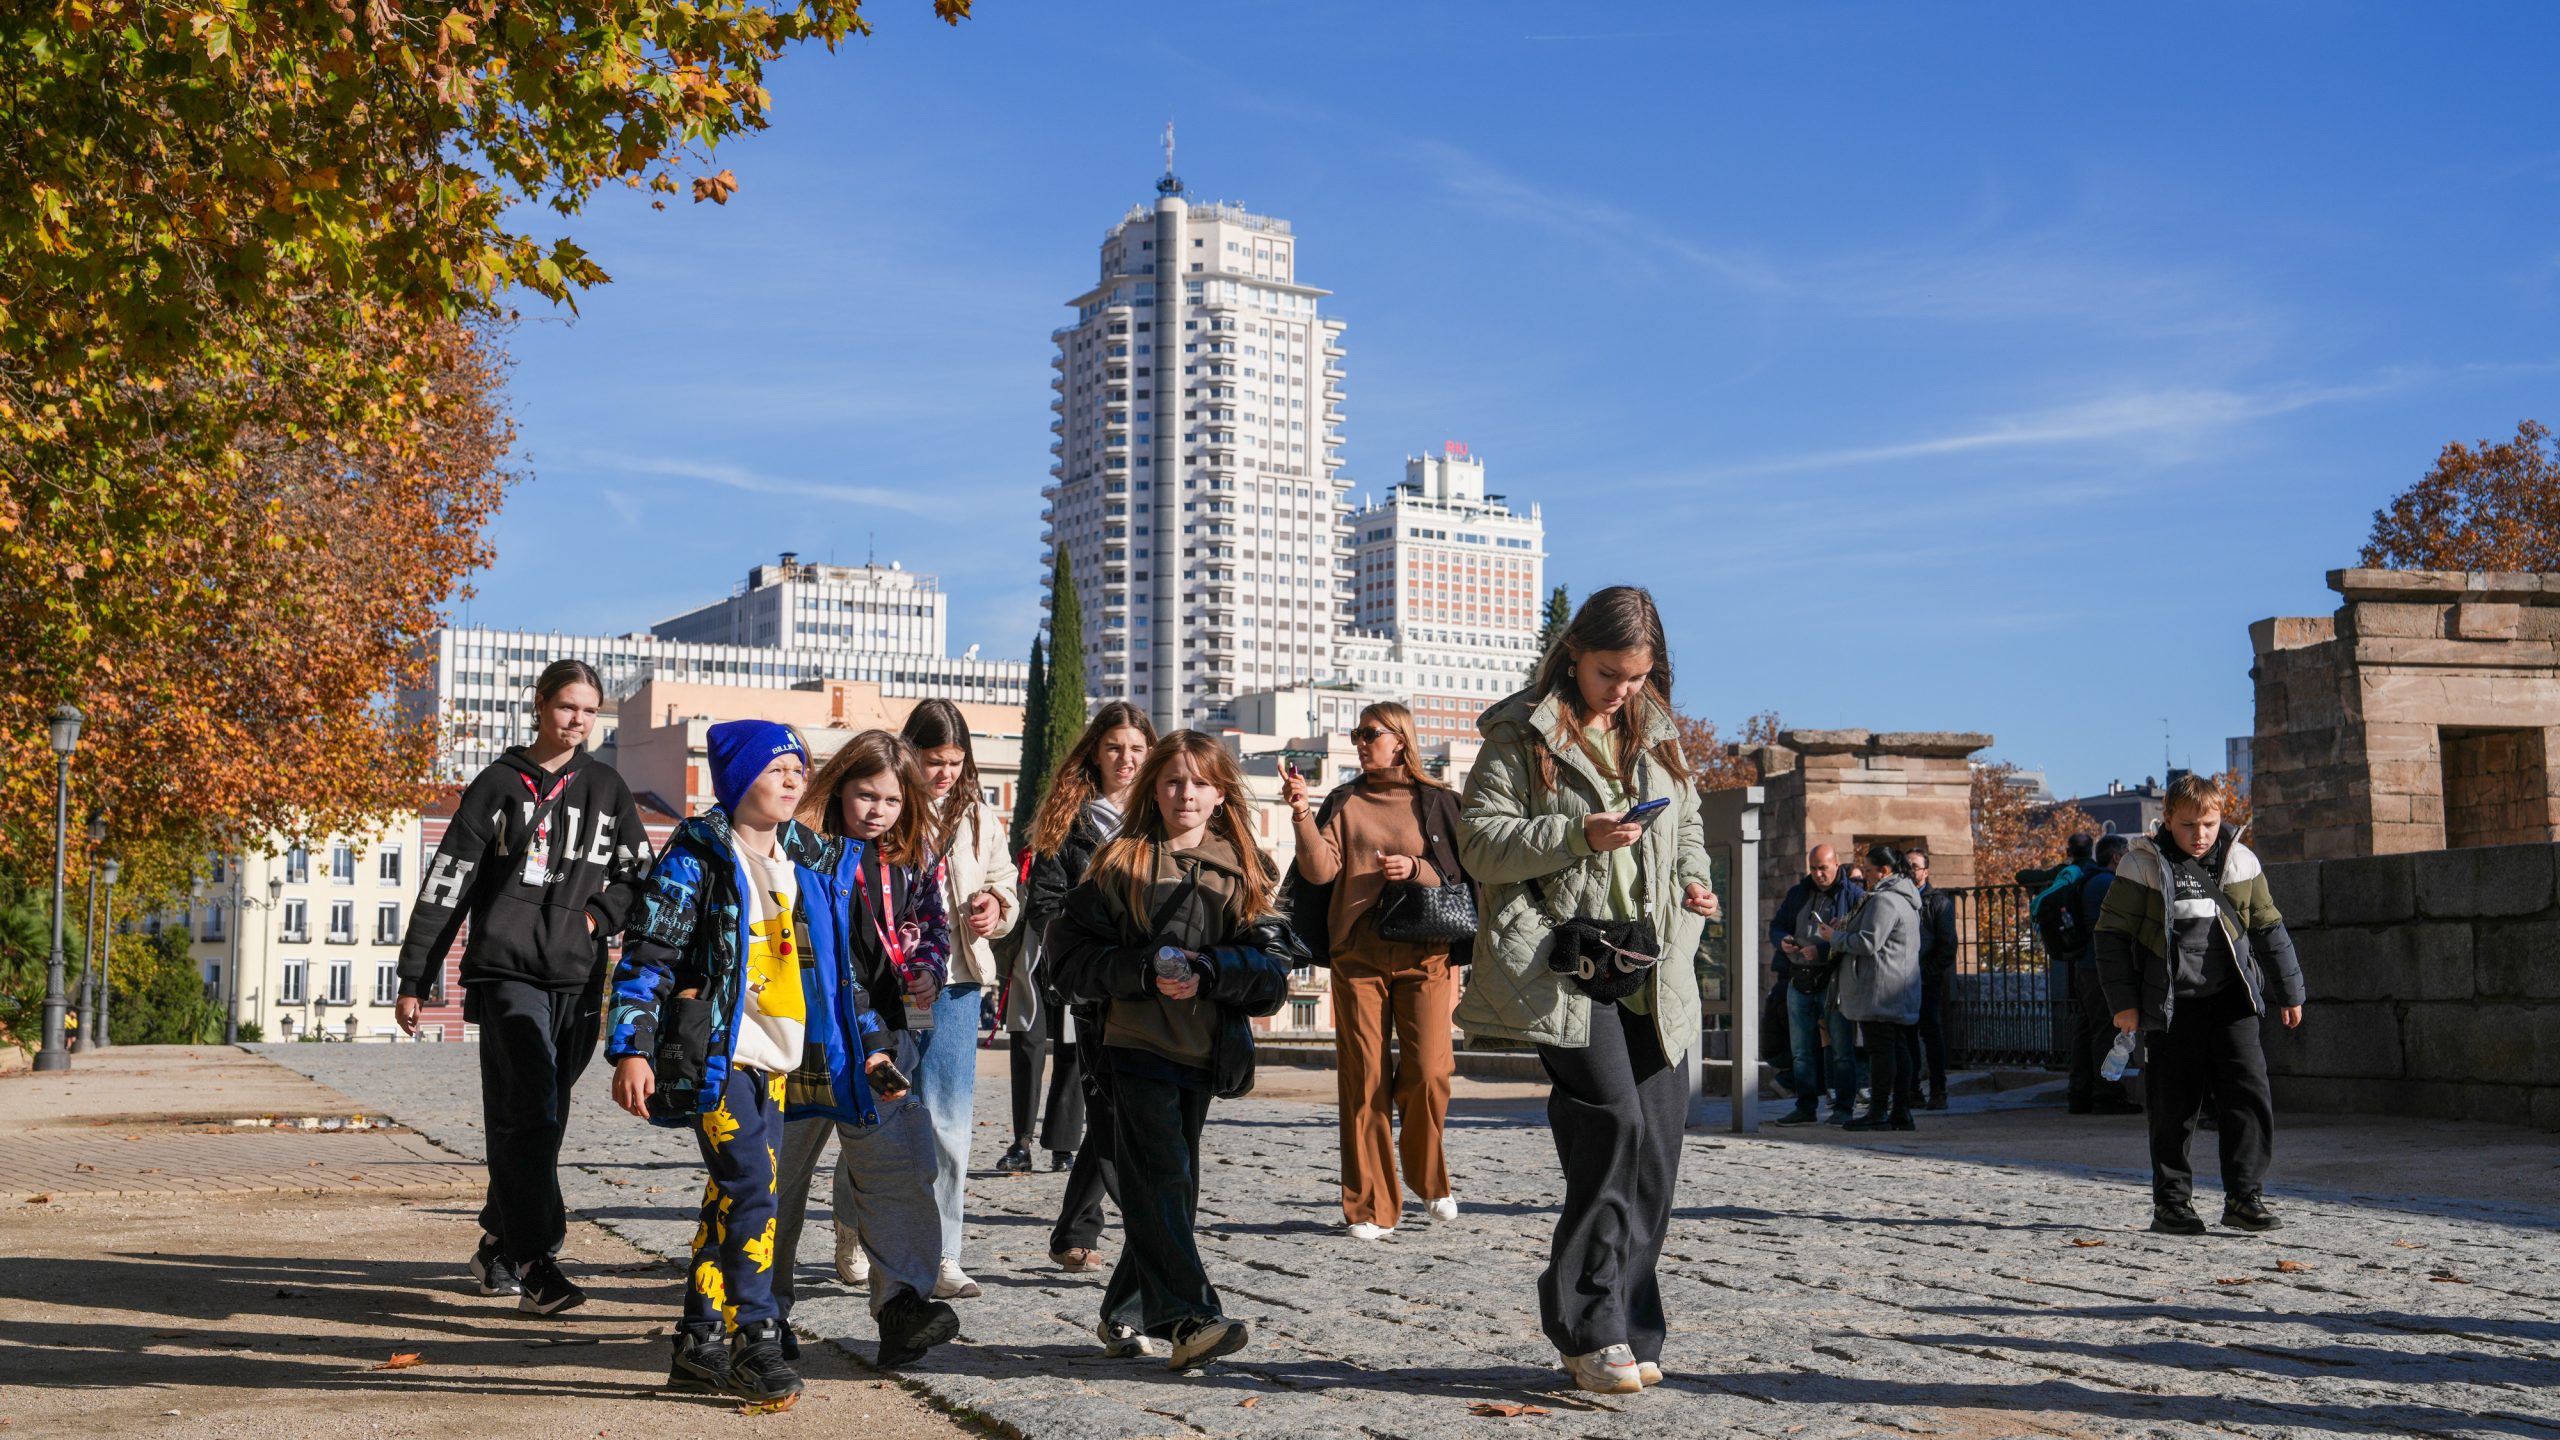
(1868, 1122)
(1903, 1121)
(701, 1363)
(2179, 1218)
(758, 1373)
(1842, 1115)
(494, 1272)
(2250, 1213)
(1016, 1161)
(790, 1344)
(1061, 1160)
(1797, 1117)
(910, 1325)
(547, 1291)
(1197, 1341)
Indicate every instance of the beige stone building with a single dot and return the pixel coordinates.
(1851, 788)
(2423, 715)
(661, 744)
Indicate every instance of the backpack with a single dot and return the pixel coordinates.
(2058, 921)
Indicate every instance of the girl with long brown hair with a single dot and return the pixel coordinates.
(1391, 827)
(1581, 822)
(871, 794)
(966, 838)
(1082, 809)
(1175, 938)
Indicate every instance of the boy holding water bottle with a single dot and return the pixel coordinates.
(2193, 953)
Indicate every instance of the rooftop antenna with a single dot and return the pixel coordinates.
(871, 549)
(2164, 746)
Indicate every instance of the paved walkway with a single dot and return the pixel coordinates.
(1817, 1289)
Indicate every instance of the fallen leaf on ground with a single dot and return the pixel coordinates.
(2447, 1277)
(44, 1199)
(609, 1180)
(85, 1165)
(1505, 1409)
(654, 1190)
(133, 1137)
(401, 1361)
(2293, 1267)
(2237, 1279)
(1248, 1402)
(2408, 1245)
(2086, 1244)
(770, 1407)
(149, 1170)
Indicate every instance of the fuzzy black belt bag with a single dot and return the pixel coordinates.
(1607, 960)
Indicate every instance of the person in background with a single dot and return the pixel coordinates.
(1174, 939)
(1393, 824)
(1825, 1046)
(547, 859)
(1545, 829)
(966, 838)
(2194, 954)
(1937, 966)
(1874, 957)
(1088, 792)
(2094, 1030)
(1028, 1026)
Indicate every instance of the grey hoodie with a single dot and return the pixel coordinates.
(1878, 949)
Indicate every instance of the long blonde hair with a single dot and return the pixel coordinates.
(1129, 861)
(1399, 720)
(1078, 778)
(1621, 617)
(862, 757)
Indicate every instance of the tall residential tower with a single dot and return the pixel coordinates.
(1197, 485)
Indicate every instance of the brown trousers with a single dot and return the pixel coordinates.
(1417, 992)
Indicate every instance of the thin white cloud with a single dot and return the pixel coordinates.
(736, 478)
(623, 505)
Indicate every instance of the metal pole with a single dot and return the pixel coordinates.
(106, 976)
(1742, 964)
(89, 961)
(53, 1056)
(231, 1011)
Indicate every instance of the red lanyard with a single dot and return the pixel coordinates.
(892, 936)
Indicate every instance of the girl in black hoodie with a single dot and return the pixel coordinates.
(546, 858)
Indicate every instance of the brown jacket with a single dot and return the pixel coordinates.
(1339, 849)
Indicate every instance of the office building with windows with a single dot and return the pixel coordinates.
(874, 609)
(1197, 486)
(314, 931)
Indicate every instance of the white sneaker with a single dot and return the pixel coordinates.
(1366, 1231)
(949, 1283)
(1123, 1342)
(853, 1263)
(1444, 1208)
(1649, 1373)
(1610, 1371)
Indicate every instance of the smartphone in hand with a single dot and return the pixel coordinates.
(888, 1081)
(1643, 814)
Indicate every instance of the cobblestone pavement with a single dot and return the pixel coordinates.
(1816, 1290)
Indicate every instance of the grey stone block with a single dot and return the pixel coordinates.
(2368, 890)
(2401, 962)
(2493, 880)
(2296, 888)
(2518, 960)
(2339, 1041)
(2481, 1042)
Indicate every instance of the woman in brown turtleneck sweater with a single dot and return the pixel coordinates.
(1392, 823)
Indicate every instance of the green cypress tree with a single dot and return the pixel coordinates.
(1064, 715)
(1559, 615)
(1035, 752)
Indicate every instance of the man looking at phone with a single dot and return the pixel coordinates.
(1823, 896)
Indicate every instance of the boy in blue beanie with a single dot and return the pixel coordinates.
(742, 928)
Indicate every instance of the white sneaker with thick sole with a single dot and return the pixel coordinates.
(1123, 1342)
(853, 1263)
(951, 1283)
(1366, 1231)
(1649, 1373)
(1608, 1371)
(1444, 1208)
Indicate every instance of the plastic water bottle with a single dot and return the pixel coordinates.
(2121, 1055)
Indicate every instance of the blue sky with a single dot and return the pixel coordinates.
(1970, 367)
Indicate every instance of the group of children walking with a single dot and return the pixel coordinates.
(805, 962)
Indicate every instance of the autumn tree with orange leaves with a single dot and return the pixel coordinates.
(1711, 760)
(2496, 507)
(2011, 832)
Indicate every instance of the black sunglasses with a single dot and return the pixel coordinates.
(1367, 733)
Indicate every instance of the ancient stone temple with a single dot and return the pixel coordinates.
(2423, 715)
(1848, 788)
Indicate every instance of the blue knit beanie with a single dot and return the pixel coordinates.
(740, 751)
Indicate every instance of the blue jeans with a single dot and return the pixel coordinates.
(1804, 1014)
(947, 1082)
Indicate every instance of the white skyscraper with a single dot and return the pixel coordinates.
(1197, 484)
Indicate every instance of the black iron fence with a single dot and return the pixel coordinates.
(2008, 1003)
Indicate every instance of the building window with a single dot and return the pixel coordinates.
(342, 922)
(386, 865)
(342, 982)
(297, 866)
(212, 922)
(386, 983)
(386, 924)
(342, 864)
(295, 979)
(297, 921)
(1302, 1014)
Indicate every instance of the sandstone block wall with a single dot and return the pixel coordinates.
(2434, 985)
(1846, 787)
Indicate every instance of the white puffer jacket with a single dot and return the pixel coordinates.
(978, 864)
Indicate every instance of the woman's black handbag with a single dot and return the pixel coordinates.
(1419, 914)
(1607, 960)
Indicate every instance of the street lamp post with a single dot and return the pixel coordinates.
(89, 940)
(239, 918)
(65, 725)
(109, 872)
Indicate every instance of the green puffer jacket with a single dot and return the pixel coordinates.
(1513, 828)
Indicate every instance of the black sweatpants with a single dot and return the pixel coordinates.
(1094, 1175)
(1159, 1281)
(2212, 1049)
(1616, 1112)
(534, 1044)
(1931, 1033)
(1029, 1056)
(1063, 1124)
(1893, 1059)
(2093, 1034)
